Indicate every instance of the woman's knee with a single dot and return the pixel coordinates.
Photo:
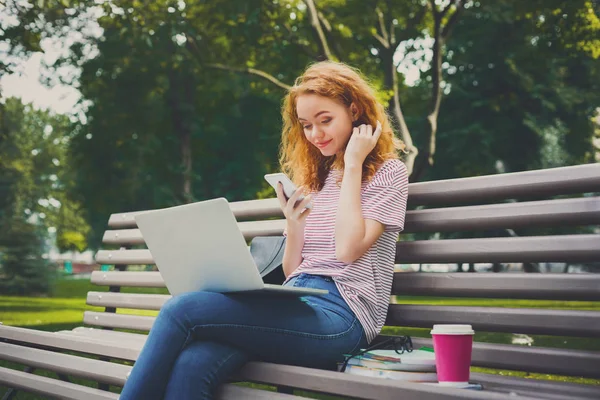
(177, 304)
(192, 357)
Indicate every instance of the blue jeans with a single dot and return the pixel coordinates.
(199, 339)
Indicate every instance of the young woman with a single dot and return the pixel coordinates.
(338, 145)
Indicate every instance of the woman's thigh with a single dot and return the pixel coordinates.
(312, 331)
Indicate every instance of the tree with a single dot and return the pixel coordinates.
(184, 97)
(366, 34)
(152, 107)
(522, 95)
(26, 24)
(35, 191)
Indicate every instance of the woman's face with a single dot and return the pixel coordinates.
(327, 123)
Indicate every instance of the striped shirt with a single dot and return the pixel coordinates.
(365, 284)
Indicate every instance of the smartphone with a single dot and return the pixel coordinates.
(288, 186)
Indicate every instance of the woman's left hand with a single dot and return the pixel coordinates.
(361, 143)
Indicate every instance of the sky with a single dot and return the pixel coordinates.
(27, 86)
(25, 83)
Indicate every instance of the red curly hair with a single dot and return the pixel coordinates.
(304, 163)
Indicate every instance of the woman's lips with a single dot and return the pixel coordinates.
(321, 145)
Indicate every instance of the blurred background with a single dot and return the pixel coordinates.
(124, 105)
(113, 106)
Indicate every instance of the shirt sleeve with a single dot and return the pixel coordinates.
(384, 199)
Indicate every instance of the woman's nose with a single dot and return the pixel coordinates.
(316, 133)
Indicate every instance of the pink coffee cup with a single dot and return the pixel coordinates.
(453, 345)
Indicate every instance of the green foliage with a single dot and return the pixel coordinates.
(522, 94)
(34, 188)
(32, 22)
(153, 102)
(172, 117)
(23, 271)
(37, 179)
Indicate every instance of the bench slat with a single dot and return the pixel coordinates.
(233, 392)
(128, 278)
(125, 300)
(87, 368)
(539, 183)
(583, 287)
(249, 230)
(51, 387)
(583, 211)
(107, 335)
(495, 319)
(119, 321)
(485, 319)
(357, 387)
(123, 237)
(560, 248)
(530, 214)
(536, 387)
(131, 257)
(70, 342)
(243, 210)
(284, 375)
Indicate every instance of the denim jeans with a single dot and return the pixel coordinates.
(200, 339)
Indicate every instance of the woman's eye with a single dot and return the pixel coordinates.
(306, 126)
(326, 121)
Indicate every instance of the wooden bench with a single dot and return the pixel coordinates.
(441, 206)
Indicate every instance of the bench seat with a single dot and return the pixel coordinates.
(114, 374)
(468, 220)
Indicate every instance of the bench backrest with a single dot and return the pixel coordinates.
(448, 206)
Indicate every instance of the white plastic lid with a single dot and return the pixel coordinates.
(448, 329)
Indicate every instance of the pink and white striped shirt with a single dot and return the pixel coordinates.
(366, 283)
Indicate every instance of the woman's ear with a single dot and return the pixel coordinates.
(354, 111)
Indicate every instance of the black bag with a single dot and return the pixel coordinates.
(400, 344)
(267, 252)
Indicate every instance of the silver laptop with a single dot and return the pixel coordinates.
(199, 246)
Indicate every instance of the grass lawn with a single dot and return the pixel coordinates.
(64, 310)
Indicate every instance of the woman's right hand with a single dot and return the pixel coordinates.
(295, 214)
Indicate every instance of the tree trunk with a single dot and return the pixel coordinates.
(186, 139)
(181, 126)
(427, 158)
(440, 36)
(324, 51)
(186, 158)
(399, 123)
